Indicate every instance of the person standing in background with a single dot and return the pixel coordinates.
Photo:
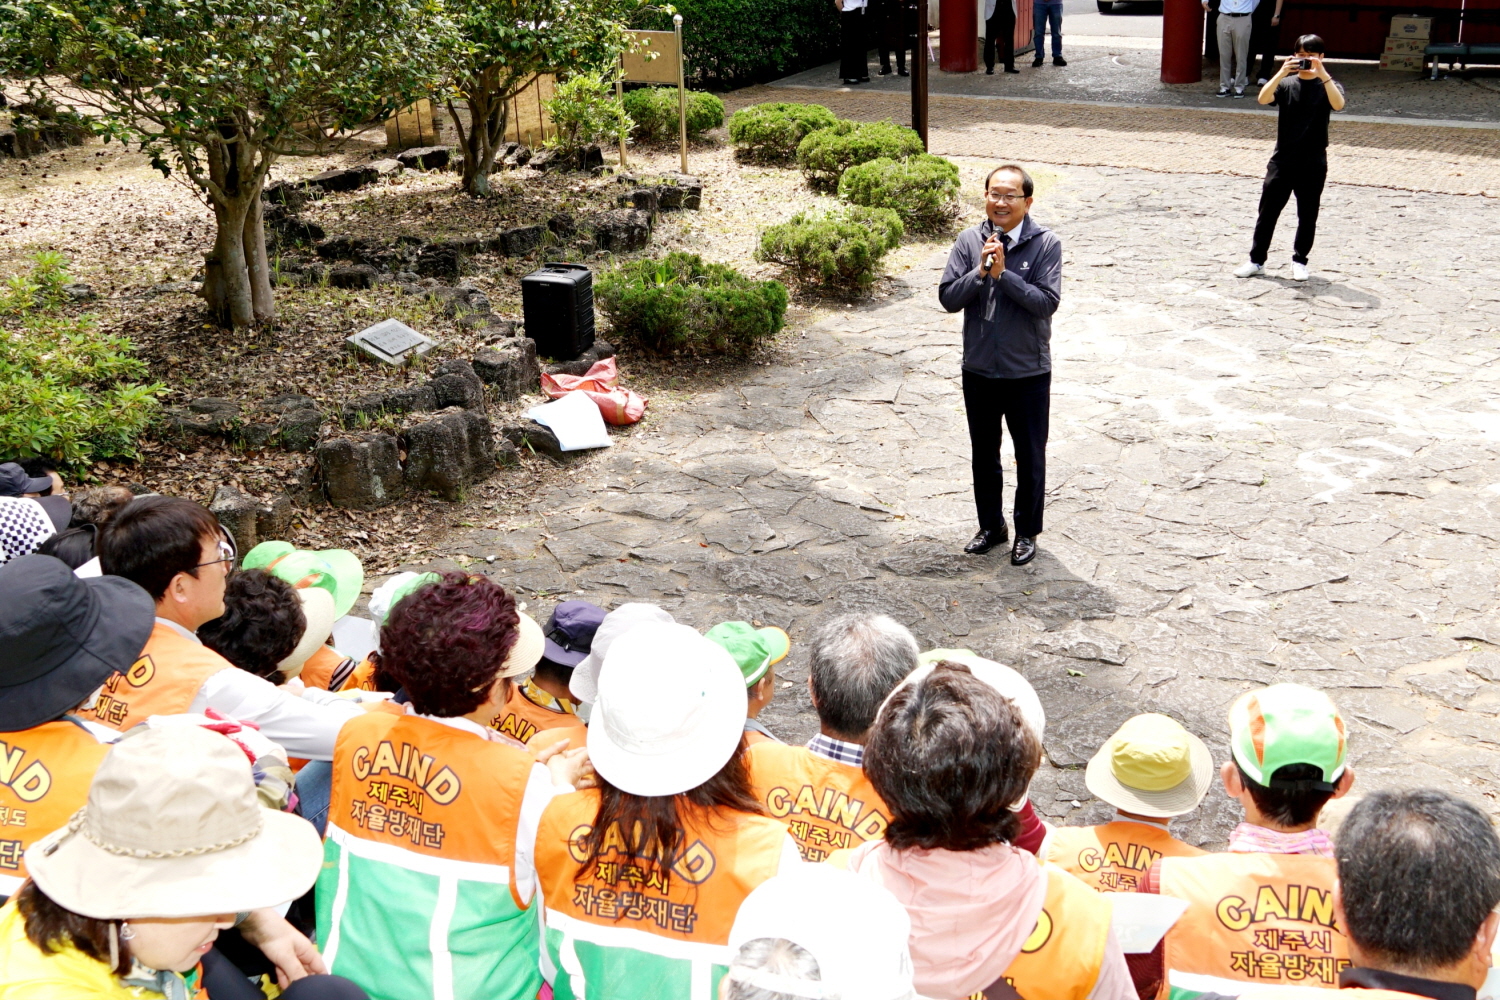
(1041, 12)
(1264, 23)
(1000, 33)
(891, 22)
(1006, 275)
(852, 65)
(1234, 31)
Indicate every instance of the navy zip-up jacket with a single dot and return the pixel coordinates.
(1007, 321)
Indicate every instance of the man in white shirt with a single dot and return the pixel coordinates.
(177, 551)
(853, 65)
(1234, 45)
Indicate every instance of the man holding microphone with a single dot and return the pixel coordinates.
(1006, 275)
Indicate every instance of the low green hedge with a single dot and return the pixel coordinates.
(825, 155)
(730, 43)
(921, 189)
(654, 112)
(840, 250)
(67, 391)
(683, 303)
(770, 133)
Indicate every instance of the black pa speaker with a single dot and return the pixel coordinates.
(558, 302)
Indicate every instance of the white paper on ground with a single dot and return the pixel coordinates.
(576, 421)
(355, 637)
(1142, 919)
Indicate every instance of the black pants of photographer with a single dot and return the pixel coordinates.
(1023, 404)
(228, 978)
(1000, 33)
(853, 64)
(1284, 179)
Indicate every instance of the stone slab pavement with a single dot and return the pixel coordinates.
(1250, 481)
(1171, 140)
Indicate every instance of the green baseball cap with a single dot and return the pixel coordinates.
(337, 571)
(1288, 724)
(753, 649)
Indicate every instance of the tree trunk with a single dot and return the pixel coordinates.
(226, 278)
(488, 112)
(262, 304)
(237, 275)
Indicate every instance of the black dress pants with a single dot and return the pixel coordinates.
(1023, 404)
(1000, 34)
(889, 21)
(1263, 38)
(852, 64)
(1284, 178)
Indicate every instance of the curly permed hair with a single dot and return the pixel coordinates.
(445, 642)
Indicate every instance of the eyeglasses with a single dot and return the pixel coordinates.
(227, 553)
(1009, 199)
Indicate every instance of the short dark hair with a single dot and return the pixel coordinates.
(51, 928)
(1309, 43)
(98, 504)
(152, 539)
(1419, 872)
(1026, 185)
(261, 625)
(950, 755)
(551, 669)
(74, 546)
(446, 642)
(1287, 806)
(854, 662)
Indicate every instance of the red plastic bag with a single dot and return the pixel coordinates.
(601, 384)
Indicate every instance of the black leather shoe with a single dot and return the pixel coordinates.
(902, 72)
(885, 71)
(989, 71)
(984, 540)
(1037, 62)
(1023, 551)
(1059, 61)
(1011, 69)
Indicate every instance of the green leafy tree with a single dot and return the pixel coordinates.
(504, 45)
(219, 89)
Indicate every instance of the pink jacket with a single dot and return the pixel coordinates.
(970, 913)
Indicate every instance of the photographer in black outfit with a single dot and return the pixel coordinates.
(1305, 95)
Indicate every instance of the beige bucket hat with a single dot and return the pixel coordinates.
(172, 828)
(319, 611)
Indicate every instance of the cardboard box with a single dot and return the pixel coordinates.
(1411, 27)
(1395, 46)
(1402, 63)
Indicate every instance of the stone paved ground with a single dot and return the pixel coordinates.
(1249, 481)
(1176, 140)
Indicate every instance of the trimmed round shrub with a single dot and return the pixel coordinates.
(825, 155)
(654, 111)
(682, 302)
(921, 189)
(769, 133)
(840, 251)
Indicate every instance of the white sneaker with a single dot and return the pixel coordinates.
(1299, 271)
(1249, 269)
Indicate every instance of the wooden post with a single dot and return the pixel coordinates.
(681, 91)
(919, 69)
(620, 96)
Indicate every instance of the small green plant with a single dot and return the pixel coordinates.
(826, 154)
(654, 112)
(584, 111)
(769, 133)
(67, 391)
(840, 251)
(682, 302)
(922, 189)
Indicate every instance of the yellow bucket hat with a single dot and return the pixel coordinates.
(1153, 767)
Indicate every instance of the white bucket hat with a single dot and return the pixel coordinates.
(861, 955)
(527, 652)
(670, 711)
(172, 829)
(584, 684)
(318, 608)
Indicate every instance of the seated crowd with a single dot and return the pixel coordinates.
(201, 796)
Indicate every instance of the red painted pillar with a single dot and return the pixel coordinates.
(1181, 41)
(958, 28)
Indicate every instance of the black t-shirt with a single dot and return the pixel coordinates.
(1302, 128)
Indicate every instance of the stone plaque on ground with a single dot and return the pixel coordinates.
(391, 341)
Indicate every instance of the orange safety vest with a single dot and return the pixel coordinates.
(577, 735)
(682, 913)
(826, 806)
(325, 666)
(1252, 918)
(754, 736)
(1308, 993)
(45, 773)
(521, 718)
(163, 681)
(363, 678)
(1114, 857)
